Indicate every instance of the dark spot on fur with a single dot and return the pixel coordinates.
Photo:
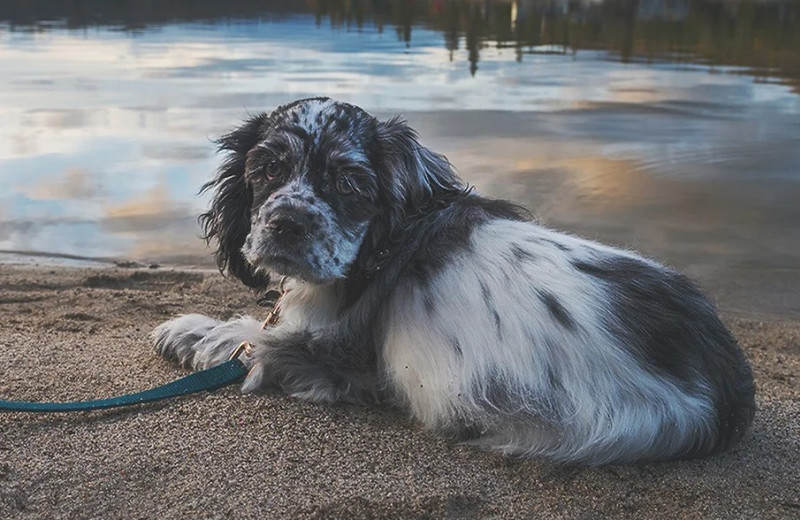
(497, 324)
(542, 240)
(591, 269)
(456, 346)
(488, 300)
(485, 294)
(422, 272)
(557, 310)
(299, 131)
(338, 124)
(520, 255)
(427, 302)
(552, 381)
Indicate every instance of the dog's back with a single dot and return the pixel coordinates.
(536, 342)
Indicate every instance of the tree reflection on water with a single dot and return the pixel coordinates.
(761, 37)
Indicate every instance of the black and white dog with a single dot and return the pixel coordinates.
(404, 286)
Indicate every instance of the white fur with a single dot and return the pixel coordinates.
(609, 396)
(613, 409)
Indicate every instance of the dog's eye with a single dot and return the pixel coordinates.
(344, 185)
(273, 170)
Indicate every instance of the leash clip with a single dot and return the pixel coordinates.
(275, 313)
(244, 346)
(272, 319)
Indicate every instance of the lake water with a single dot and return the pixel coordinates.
(667, 126)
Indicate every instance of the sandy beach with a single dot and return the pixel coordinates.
(79, 333)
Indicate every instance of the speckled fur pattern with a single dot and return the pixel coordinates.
(404, 286)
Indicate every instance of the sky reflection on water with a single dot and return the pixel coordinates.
(106, 134)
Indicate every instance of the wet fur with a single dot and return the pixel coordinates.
(479, 322)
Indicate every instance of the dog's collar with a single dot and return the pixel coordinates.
(376, 261)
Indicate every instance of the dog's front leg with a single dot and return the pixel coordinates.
(199, 342)
(311, 368)
(297, 362)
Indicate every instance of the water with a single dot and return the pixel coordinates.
(667, 126)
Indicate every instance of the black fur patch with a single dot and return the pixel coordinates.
(521, 255)
(488, 300)
(557, 310)
(497, 324)
(344, 370)
(427, 302)
(540, 240)
(456, 347)
(424, 242)
(667, 323)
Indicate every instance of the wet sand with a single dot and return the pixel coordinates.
(80, 333)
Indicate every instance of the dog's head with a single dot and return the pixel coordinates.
(307, 190)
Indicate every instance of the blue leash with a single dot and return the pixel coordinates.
(210, 379)
(213, 378)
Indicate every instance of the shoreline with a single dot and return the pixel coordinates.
(755, 292)
(47, 258)
(82, 332)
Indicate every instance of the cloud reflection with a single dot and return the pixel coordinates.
(75, 184)
(105, 136)
(153, 205)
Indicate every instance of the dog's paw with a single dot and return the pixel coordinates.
(255, 376)
(176, 339)
(278, 365)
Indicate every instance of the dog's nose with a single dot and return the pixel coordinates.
(288, 228)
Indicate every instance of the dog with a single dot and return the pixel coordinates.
(403, 286)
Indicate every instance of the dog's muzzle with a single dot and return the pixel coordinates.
(291, 227)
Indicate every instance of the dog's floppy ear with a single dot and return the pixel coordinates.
(416, 173)
(410, 178)
(228, 219)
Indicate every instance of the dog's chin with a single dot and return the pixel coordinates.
(283, 265)
(307, 261)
